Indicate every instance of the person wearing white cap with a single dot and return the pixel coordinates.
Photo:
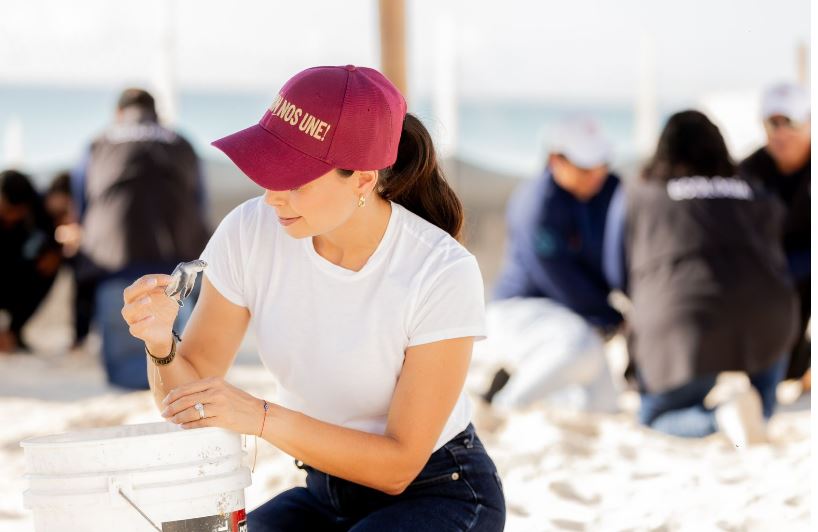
(783, 166)
(551, 314)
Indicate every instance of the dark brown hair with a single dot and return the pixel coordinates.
(138, 98)
(690, 145)
(16, 188)
(416, 180)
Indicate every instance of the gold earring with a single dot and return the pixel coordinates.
(361, 201)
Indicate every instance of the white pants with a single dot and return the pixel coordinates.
(551, 354)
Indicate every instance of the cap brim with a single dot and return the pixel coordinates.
(787, 112)
(587, 161)
(268, 161)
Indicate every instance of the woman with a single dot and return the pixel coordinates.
(709, 286)
(365, 306)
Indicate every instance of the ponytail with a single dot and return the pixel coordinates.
(416, 180)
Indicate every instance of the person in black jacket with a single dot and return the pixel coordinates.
(709, 286)
(30, 256)
(140, 198)
(783, 166)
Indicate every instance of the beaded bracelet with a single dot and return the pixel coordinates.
(164, 361)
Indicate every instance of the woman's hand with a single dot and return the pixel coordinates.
(225, 406)
(150, 313)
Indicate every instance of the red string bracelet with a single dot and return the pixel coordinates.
(264, 419)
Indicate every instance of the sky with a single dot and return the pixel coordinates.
(582, 50)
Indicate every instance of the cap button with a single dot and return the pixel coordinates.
(350, 67)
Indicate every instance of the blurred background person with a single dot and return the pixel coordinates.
(783, 166)
(30, 256)
(709, 286)
(551, 314)
(59, 203)
(141, 204)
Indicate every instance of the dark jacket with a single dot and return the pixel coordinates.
(707, 279)
(554, 249)
(141, 196)
(794, 191)
(23, 282)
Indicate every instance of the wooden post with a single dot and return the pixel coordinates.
(393, 42)
(803, 64)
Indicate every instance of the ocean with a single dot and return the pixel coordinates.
(48, 127)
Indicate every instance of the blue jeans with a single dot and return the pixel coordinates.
(123, 355)
(681, 412)
(458, 489)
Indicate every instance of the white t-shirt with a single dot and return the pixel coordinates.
(333, 338)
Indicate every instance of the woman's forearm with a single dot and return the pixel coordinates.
(163, 379)
(379, 462)
(211, 339)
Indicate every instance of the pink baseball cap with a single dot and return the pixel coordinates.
(323, 118)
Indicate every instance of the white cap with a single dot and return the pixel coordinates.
(582, 142)
(786, 99)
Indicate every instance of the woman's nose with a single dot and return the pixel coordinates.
(275, 198)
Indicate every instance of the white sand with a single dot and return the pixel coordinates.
(562, 470)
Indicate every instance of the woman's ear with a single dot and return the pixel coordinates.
(367, 181)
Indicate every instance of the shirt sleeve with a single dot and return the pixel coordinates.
(78, 178)
(452, 306)
(225, 260)
(613, 246)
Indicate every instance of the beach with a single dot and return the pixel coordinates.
(701, 110)
(561, 469)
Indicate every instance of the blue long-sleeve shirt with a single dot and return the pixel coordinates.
(555, 249)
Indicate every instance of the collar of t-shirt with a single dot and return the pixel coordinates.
(371, 264)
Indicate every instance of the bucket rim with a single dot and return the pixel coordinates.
(47, 441)
(219, 460)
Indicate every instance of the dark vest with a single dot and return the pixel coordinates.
(708, 280)
(142, 189)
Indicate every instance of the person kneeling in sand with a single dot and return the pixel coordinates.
(366, 308)
(551, 314)
(709, 287)
(783, 165)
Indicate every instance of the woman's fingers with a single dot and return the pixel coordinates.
(149, 312)
(186, 402)
(225, 406)
(191, 388)
(153, 302)
(137, 311)
(143, 285)
(140, 328)
(190, 415)
(199, 423)
(183, 410)
(139, 287)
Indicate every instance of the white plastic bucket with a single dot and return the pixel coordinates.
(138, 478)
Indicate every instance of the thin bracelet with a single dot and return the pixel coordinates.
(255, 438)
(264, 419)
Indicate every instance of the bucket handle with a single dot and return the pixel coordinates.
(115, 488)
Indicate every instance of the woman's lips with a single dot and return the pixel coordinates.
(287, 221)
